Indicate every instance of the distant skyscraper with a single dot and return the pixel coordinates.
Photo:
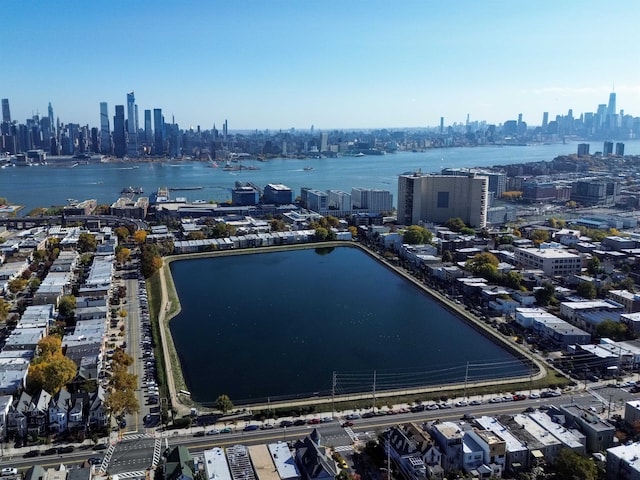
(6, 113)
(583, 149)
(132, 131)
(119, 139)
(441, 125)
(224, 133)
(158, 132)
(611, 108)
(545, 121)
(105, 134)
(148, 135)
(620, 149)
(607, 148)
(51, 120)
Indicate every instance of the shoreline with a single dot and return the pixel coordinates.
(170, 307)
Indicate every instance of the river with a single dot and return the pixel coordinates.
(47, 185)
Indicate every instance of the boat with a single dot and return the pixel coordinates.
(132, 190)
(175, 189)
(307, 169)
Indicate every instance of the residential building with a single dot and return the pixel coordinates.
(598, 432)
(245, 195)
(414, 452)
(622, 462)
(179, 465)
(595, 192)
(313, 459)
(283, 460)
(437, 198)
(317, 200)
(552, 261)
(277, 194)
(339, 200)
(215, 465)
(630, 301)
(373, 200)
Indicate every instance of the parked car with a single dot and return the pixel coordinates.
(67, 449)
(250, 428)
(225, 430)
(95, 460)
(9, 471)
(199, 434)
(286, 423)
(31, 454)
(213, 431)
(299, 423)
(348, 423)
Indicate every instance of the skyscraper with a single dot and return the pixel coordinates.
(119, 139)
(545, 121)
(6, 113)
(158, 132)
(148, 135)
(132, 131)
(51, 120)
(105, 134)
(611, 108)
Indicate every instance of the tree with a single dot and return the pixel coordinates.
(122, 233)
(66, 306)
(447, 256)
(123, 254)
(545, 294)
(17, 285)
(570, 465)
(122, 402)
(50, 369)
(513, 279)
(539, 236)
(140, 236)
(455, 224)
(196, 235)
(322, 234)
(150, 261)
(34, 284)
(87, 242)
(611, 329)
(278, 225)
(586, 290)
(416, 235)
(479, 261)
(120, 357)
(593, 266)
(224, 403)
(4, 310)
(353, 230)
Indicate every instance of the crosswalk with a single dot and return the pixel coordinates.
(138, 474)
(349, 431)
(135, 436)
(157, 450)
(343, 448)
(106, 459)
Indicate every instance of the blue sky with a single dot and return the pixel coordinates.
(330, 63)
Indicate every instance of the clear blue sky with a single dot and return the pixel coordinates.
(330, 63)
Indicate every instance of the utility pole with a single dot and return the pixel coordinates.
(333, 394)
(466, 379)
(374, 391)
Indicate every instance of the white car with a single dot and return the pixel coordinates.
(9, 471)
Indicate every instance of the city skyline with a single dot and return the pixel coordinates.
(331, 65)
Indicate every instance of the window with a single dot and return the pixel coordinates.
(443, 199)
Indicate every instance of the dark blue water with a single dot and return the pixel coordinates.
(44, 186)
(280, 324)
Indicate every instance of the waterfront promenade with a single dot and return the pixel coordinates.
(170, 307)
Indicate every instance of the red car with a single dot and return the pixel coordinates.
(348, 423)
(519, 397)
(313, 421)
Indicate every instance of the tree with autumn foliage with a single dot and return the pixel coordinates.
(121, 398)
(50, 370)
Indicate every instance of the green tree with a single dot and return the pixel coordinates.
(479, 261)
(196, 236)
(417, 235)
(87, 242)
(67, 306)
(34, 284)
(150, 261)
(322, 234)
(587, 290)
(447, 256)
(539, 236)
(545, 294)
(224, 403)
(455, 224)
(222, 230)
(593, 266)
(570, 465)
(122, 233)
(611, 329)
(513, 279)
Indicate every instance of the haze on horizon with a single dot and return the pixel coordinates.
(331, 64)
